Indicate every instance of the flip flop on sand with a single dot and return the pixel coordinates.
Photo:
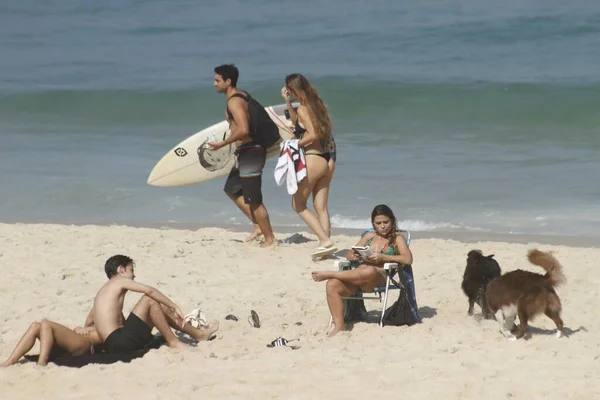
(253, 319)
(279, 342)
(324, 251)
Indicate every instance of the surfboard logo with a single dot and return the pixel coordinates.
(180, 152)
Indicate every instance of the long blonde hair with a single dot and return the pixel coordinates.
(310, 98)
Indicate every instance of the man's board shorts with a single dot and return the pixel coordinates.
(132, 336)
(245, 177)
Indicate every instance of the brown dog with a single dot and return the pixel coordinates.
(527, 294)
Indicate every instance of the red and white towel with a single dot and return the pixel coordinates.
(291, 165)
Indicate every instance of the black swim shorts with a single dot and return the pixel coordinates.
(245, 177)
(134, 335)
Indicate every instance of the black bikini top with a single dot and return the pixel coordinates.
(298, 130)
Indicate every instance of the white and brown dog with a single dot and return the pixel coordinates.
(526, 294)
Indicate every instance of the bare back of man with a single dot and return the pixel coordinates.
(108, 308)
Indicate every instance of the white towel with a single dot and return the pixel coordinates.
(291, 165)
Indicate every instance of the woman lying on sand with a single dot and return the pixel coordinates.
(77, 342)
(366, 274)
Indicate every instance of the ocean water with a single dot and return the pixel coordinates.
(462, 116)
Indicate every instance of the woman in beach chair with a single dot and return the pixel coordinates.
(385, 246)
(53, 337)
(313, 127)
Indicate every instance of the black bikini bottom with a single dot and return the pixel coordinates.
(326, 156)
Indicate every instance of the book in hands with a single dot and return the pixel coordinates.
(364, 252)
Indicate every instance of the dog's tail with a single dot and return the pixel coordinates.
(554, 271)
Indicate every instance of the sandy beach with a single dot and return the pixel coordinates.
(53, 271)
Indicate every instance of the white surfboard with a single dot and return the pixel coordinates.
(191, 162)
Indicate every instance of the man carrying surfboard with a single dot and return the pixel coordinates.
(252, 134)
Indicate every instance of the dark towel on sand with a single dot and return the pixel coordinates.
(59, 356)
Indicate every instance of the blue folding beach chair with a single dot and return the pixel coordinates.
(381, 293)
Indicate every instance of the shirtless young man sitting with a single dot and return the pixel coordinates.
(153, 310)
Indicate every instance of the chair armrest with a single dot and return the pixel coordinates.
(341, 263)
(390, 266)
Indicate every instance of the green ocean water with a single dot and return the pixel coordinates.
(467, 115)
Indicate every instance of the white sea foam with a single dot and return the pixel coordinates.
(338, 221)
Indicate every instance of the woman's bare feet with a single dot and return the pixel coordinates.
(319, 276)
(205, 332)
(326, 244)
(335, 331)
